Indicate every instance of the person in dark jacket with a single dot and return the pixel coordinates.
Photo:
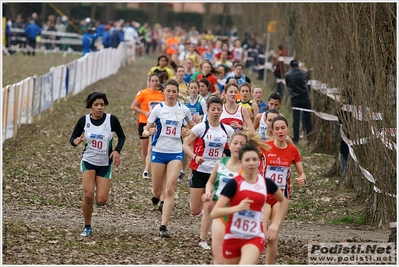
(87, 40)
(297, 82)
(31, 32)
(107, 41)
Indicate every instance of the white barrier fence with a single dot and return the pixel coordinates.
(28, 98)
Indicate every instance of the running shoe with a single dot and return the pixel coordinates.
(181, 176)
(146, 175)
(86, 232)
(163, 232)
(203, 244)
(155, 200)
(160, 206)
(202, 213)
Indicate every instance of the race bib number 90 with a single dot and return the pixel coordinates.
(98, 143)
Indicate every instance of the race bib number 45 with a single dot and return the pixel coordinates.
(278, 175)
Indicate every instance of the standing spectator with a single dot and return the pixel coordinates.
(61, 28)
(130, 36)
(297, 82)
(8, 32)
(156, 37)
(233, 31)
(19, 23)
(87, 40)
(218, 30)
(32, 31)
(51, 38)
(35, 17)
(116, 36)
(143, 33)
(85, 24)
(107, 41)
(150, 37)
(279, 70)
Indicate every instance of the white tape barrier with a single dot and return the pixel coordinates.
(365, 172)
(381, 135)
(361, 113)
(388, 143)
(322, 115)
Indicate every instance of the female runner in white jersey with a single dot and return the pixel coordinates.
(224, 170)
(277, 167)
(165, 125)
(233, 113)
(246, 194)
(208, 139)
(97, 157)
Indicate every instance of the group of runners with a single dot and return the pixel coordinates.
(237, 148)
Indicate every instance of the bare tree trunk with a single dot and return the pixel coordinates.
(93, 10)
(43, 15)
(207, 16)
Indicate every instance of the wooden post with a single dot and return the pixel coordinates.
(67, 82)
(52, 90)
(20, 88)
(16, 119)
(5, 109)
(33, 97)
(61, 84)
(40, 100)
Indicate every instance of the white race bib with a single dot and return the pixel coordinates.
(98, 143)
(278, 175)
(246, 223)
(172, 129)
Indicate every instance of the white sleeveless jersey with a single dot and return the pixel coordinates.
(98, 141)
(227, 118)
(168, 121)
(262, 127)
(238, 54)
(209, 144)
